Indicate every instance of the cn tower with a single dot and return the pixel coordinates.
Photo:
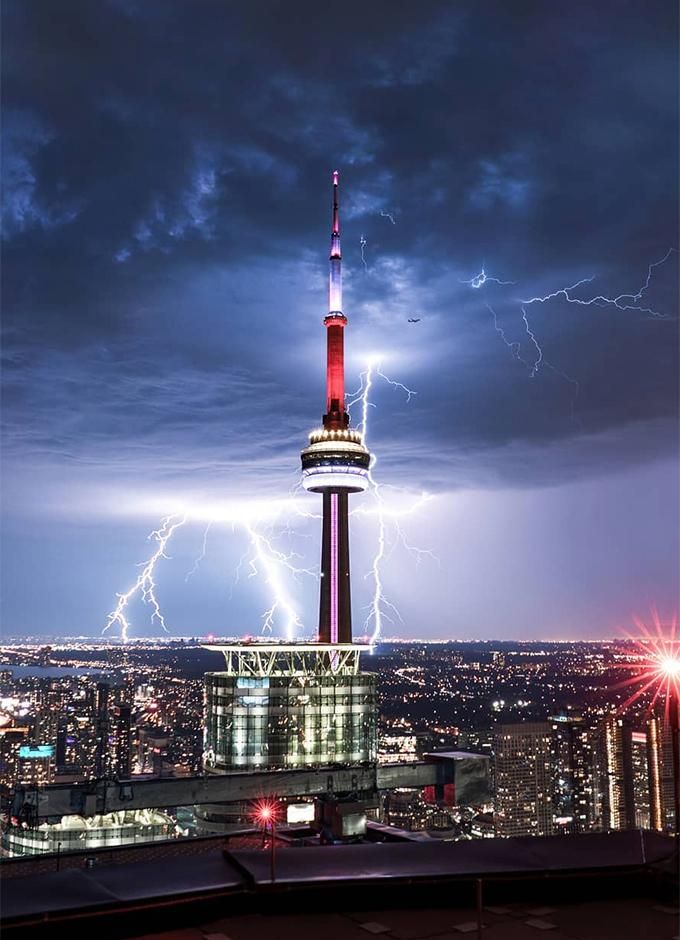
(335, 463)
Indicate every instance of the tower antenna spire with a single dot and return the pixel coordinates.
(336, 213)
(335, 274)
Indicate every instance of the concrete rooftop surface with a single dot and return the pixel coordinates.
(624, 919)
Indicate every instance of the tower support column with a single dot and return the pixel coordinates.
(335, 617)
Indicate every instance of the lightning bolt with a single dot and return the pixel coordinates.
(145, 584)
(380, 607)
(512, 346)
(197, 563)
(261, 556)
(388, 215)
(271, 560)
(621, 302)
(409, 391)
(378, 600)
(362, 245)
(479, 280)
(264, 522)
(538, 361)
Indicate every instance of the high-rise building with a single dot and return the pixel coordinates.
(77, 740)
(524, 779)
(12, 739)
(641, 780)
(573, 773)
(50, 698)
(635, 775)
(120, 734)
(112, 715)
(614, 773)
(660, 771)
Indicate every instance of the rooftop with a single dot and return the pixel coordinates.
(582, 887)
(624, 919)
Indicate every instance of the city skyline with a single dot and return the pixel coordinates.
(164, 261)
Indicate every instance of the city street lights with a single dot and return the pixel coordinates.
(266, 812)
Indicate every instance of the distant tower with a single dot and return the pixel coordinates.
(291, 705)
(336, 462)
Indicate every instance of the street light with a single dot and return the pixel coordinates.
(266, 812)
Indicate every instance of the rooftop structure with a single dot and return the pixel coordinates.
(290, 659)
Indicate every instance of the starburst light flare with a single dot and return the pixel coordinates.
(656, 673)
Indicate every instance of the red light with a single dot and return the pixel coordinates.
(265, 811)
(658, 672)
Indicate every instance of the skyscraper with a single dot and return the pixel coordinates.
(641, 780)
(524, 780)
(614, 761)
(660, 770)
(573, 773)
(112, 714)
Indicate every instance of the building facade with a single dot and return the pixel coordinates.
(524, 779)
(614, 772)
(660, 775)
(573, 772)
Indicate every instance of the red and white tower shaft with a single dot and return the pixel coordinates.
(335, 463)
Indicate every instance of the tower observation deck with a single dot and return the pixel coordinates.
(335, 463)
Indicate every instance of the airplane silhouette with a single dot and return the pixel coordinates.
(413, 320)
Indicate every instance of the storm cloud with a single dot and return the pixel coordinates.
(166, 177)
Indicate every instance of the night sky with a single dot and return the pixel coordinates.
(166, 177)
